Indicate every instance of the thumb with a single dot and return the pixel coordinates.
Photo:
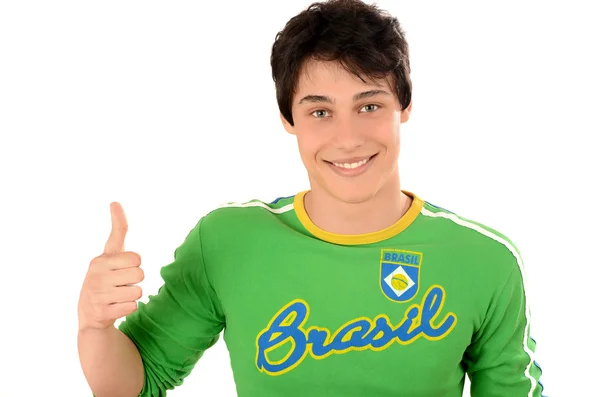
(116, 240)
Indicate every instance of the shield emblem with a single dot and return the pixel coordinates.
(400, 274)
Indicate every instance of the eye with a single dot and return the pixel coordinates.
(321, 113)
(370, 108)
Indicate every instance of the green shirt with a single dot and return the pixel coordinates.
(409, 310)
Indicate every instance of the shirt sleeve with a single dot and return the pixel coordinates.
(500, 360)
(179, 323)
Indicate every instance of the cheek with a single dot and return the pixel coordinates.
(391, 129)
(310, 139)
(387, 134)
(308, 147)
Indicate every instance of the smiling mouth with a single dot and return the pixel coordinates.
(351, 164)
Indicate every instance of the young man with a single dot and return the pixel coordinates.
(354, 288)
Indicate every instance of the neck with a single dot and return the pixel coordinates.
(379, 212)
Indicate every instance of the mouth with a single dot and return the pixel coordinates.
(351, 166)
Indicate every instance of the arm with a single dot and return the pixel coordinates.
(500, 359)
(111, 362)
(172, 331)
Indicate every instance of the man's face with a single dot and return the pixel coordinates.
(348, 131)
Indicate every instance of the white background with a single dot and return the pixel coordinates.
(170, 109)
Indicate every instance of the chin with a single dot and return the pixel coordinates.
(359, 189)
(352, 194)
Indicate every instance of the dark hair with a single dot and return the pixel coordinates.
(365, 40)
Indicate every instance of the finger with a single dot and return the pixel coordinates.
(124, 260)
(116, 240)
(126, 293)
(118, 261)
(131, 275)
(118, 310)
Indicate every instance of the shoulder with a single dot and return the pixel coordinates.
(483, 242)
(253, 213)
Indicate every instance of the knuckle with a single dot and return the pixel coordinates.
(97, 261)
(97, 296)
(91, 283)
(102, 281)
(94, 282)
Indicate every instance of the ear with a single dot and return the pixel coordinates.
(288, 127)
(405, 115)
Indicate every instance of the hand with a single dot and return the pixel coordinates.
(108, 292)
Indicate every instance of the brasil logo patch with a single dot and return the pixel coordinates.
(400, 274)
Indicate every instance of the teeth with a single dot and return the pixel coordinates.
(351, 165)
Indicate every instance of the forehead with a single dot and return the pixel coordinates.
(320, 77)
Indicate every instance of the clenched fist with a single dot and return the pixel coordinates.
(108, 292)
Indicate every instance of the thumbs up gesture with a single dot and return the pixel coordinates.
(108, 292)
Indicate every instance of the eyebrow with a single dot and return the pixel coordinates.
(326, 99)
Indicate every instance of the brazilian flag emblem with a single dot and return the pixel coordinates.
(399, 274)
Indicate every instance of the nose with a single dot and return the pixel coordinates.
(348, 135)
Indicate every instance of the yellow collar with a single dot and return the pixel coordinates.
(357, 239)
